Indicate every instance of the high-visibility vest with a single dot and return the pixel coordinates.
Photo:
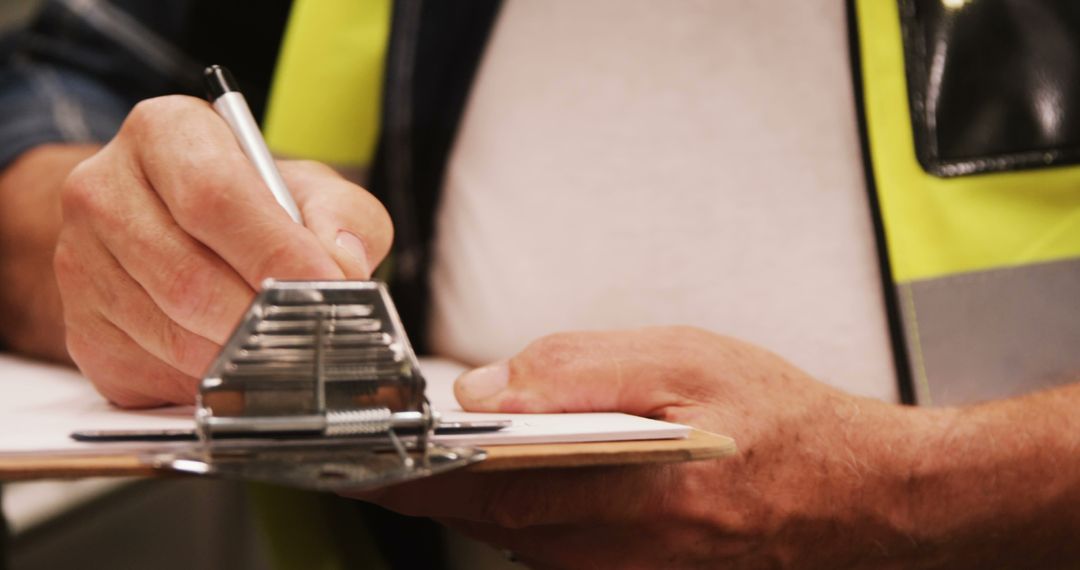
(983, 254)
(981, 265)
(981, 271)
(325, 99)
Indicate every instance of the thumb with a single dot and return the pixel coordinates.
(637, 372)
(350, 223)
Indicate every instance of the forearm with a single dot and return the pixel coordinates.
(29, 224)
(999, 485)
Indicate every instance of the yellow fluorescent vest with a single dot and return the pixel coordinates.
(982, 267)
(985, 266)
(325, 105)
(985, 269)
(325, 98)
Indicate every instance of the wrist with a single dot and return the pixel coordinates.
(30, 222)
(995, 470)
(894, 507)
(915, 469)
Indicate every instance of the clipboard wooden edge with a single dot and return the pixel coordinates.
(699, 445)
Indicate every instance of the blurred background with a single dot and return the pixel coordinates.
(14, 11)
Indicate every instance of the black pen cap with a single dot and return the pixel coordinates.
(218, 81)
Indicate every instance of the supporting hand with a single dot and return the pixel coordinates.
(820, 480)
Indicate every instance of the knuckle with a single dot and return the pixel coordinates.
(158, 115)
(146, 118)
(182, 389)
(282, 259)
(86, 353)
(191, 207)
(160, 384)
(67, 265)
(269, 264)
(122, 397)
(206, 194)
(81, 192)
(77, 348)
(178, 348)
(172, 135)
(187, 296)
(309, 168)
(552, 351)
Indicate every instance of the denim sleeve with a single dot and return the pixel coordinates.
(42, 103)
(75, 71)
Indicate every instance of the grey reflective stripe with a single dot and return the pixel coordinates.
(140, 41)
(993, 334)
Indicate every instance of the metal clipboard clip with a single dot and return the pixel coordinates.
(317, 387)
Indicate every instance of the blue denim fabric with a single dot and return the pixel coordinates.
(65, 80)
(42, 103)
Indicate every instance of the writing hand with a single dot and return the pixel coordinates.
(168, 231)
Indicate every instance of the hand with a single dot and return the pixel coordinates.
(168, 231)
(819, 482)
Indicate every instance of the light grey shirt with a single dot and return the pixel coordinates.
(624, 163)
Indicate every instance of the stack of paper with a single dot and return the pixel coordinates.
(43, 404)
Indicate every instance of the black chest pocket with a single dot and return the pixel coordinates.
(994, 85)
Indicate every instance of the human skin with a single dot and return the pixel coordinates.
(822, 479)
(30, 220)
(135, 260)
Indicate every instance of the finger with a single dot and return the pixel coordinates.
(189, 282)
(122, 302)
(351, 224)
(193, 162)
(121, 370)
(639, 372)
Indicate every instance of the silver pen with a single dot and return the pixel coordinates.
(229, 102)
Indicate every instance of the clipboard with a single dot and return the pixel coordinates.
(318, 388)
(698, 446)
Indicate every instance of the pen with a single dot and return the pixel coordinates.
(225, 96)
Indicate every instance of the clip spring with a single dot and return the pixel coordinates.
(358, 422)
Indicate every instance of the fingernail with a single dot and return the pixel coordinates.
(354, 246)
(485, 382)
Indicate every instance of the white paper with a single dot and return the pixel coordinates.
(536, 428)
(42, 404)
